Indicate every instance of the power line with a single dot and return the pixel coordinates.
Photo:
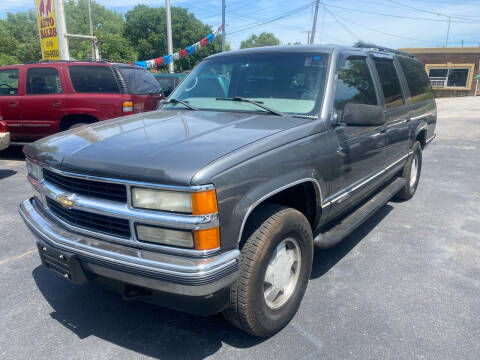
(382, 32)
(342, 24)
(399, 16)
(272, 19)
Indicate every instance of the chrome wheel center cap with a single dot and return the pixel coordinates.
(282, 273)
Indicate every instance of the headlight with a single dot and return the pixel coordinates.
(165, 236)
(197, 203)
(162, 200)
(34, 170)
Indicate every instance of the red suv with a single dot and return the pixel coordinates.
(40, 99)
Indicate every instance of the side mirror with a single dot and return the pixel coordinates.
(161, 103)
(363, 115)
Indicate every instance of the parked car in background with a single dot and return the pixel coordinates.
(215, 202)
(168, 82)
(40, 99)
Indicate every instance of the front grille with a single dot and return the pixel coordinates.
(95, 189)
(94, 222)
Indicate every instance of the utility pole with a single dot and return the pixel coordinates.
(314, 25)
(224, 33)
(448, 31)
(169, 34)
(94, 45)
(323, 23)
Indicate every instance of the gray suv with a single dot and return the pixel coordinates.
(215, 202)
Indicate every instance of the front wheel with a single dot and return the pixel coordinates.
(275, 266)
(411, 172)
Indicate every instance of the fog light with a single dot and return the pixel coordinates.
(157, 235)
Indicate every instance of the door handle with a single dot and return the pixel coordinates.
(13, 104)
(383, 131)
(56, 103)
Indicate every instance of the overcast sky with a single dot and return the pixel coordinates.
(395, 24)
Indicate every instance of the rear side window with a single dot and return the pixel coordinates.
(41, 81)
(8, 82)
(417, 79)
(93, 79)
(390, 82)
(139, 81)
(355, 84)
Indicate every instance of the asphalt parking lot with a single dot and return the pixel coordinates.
(406, 285)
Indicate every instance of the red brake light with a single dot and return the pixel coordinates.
(3, 126)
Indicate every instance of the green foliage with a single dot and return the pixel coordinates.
(19, 39)
(264, 39)
(146, 29)
(139, 35)
(108, 27)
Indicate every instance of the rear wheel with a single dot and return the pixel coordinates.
(275, 266)
(411, 172)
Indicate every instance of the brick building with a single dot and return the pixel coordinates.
(452, 70)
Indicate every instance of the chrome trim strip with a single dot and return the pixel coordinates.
(421, 116)
(105, 208)
(255, 204)
(120, 210)
(193, 188)
(342, 193)
(430, 138)
(161, 264)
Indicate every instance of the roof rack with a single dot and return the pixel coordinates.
(363, 45)
(67, 61)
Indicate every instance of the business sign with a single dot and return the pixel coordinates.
(47, 26)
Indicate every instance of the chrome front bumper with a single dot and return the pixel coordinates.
(4, 140)
(163, 272)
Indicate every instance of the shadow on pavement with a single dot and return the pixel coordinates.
(6, 173)
(325, 259)
(13, 152)
(90, 310)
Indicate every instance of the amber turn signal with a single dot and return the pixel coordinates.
(207, 239)
(204, 202)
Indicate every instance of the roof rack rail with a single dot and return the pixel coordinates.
(67, 61)
(363, 45)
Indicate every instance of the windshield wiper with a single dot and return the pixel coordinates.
(184, 103)
(258, 103)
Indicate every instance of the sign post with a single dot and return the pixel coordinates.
(52, 29)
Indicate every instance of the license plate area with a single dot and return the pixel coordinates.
(63, 263)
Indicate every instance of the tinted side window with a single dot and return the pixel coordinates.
(8, 82)
(139, 81)
(93, 79)
(417, 79)
(390, 82)
(43, 81)
(355, 84)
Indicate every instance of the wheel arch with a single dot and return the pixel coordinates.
(283, 196)
(70, 119)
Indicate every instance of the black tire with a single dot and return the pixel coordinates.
(248, 308)
(409, 189)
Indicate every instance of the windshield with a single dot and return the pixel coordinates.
(288, 82)
(139, 81)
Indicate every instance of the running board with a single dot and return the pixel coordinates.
(345, 226)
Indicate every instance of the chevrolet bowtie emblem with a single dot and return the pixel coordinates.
(65, 202)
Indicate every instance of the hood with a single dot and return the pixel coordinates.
(167, 146)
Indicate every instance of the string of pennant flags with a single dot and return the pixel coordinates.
(189, 50)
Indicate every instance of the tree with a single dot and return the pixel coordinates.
(264, 39)
(108, 27)
(19, 37)
(146, 29)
